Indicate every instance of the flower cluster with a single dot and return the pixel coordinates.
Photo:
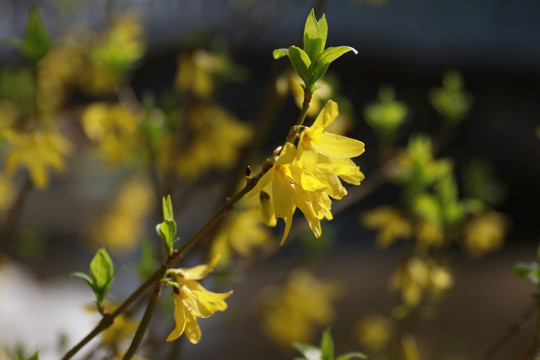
(309, 174)
(193, 301)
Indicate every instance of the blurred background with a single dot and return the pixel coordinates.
(407, 44)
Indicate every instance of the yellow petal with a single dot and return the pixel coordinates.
(179, 319)
(336, 146)
(200, 271)
(327, 116)
(287, 155)
(193, 332)
(265, 180)
(288, 224)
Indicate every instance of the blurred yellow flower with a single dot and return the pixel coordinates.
(57, 70)
(293, 311)
(374, 332)
(417, 278)
(484, 233)
(113, 56)
(7, 192)
(122, 226)
(193, 301)
(37, 151)
(242, 232)
(197, 70)
(215, 138)
(113, 127)
(429, 234)
(390, 223)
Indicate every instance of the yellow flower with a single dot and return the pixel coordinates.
(308, 176)
(242, 233)
(418, 277)
(328, 155)
(215, 138)
(193, 301)
(196, 72)
(484, 233)
(37, 151)
(121, 227)
(290, 186)
(113, 56)
(7, 192)
(429, 233)
(291, 312)
(374, 332)
(113, 127)
(390, 222)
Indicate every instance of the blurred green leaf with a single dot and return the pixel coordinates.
(386, 115)
(327, 346)
(36, 42)
(352, 355)
(451, 101)
(84, 277)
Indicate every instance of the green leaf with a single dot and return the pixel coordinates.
(34, 357)
(167, 208)
(310, 352)
(315, 34)
(36, 42)
(322, 62)
(332, 53)
(523, 269)
(83, 276)
(327, 346)
(167, 231)
(352, 355)
(300, 62)
(279, 53)
(102, 274)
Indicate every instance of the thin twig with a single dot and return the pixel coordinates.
(14, 215)
(145, 321)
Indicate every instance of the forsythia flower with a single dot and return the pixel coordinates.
(7, 192)
(374, 332)
(390, 222)
(291, 313)
(119, 230)
(485, 233)
(216, 137)
(193, 301)
(308, 176)
(196, 72)
(37, 151)
(113, 127)
(242, 232)
(416, 277)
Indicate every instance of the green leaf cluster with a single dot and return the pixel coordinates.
(312, 62)
(167, 229)
(420, 170)
(529, 270)
(443, 205)
(451, 101)
(386, 115)
(101, 276)
(325, 351)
